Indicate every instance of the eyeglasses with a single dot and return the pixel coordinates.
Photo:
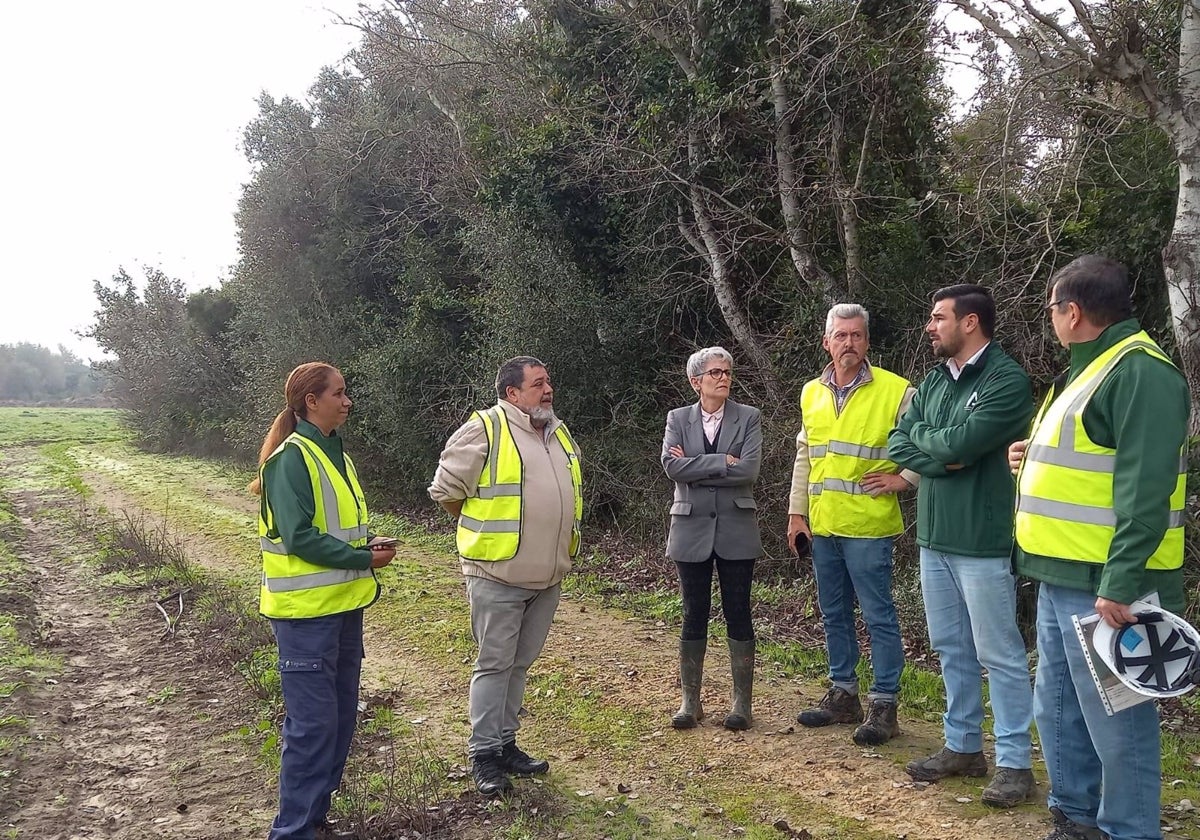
(718, 373)
(1055, 303)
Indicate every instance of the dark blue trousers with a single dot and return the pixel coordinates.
(320, 660)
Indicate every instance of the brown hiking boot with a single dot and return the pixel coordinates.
(881, 726)
(837, 706)
(1008, 788)
(947, 762)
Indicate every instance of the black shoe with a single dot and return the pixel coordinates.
(1067, 829)
(520, 763)
(329, 830)
(487, 769)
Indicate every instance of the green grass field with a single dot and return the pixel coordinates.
(25, 426)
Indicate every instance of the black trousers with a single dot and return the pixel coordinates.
(695, 586)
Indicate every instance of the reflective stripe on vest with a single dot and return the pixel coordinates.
(837, 485)
(844, 447)
(854, 450)
(291, 587)
(332, 577)
(489, 527)
(1065, 485)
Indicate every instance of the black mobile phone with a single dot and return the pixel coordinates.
(803, 543)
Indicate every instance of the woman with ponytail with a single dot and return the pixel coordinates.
(318, 576)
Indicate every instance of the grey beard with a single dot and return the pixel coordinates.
(539, 416)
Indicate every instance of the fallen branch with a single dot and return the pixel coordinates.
(171, 622)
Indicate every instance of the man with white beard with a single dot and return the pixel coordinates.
(511, 476)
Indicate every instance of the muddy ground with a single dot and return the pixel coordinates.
(131, 739)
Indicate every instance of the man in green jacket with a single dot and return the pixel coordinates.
(956, 435)
(1100, 523)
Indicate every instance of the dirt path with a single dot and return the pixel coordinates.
(816, 780)
(783, 764)
(129, 740)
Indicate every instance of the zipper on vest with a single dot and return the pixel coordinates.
(558, 484)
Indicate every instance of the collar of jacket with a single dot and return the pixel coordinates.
(521, 420)
(1084, 352)
(330, 444)
(731, 415)
(827, 375)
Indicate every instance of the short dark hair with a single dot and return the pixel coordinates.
(1098, 285)
(512, 373)
(971, 299)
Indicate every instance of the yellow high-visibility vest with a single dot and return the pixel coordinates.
(291, 586)
(1065, 484)
(489, 527)
(842, 448)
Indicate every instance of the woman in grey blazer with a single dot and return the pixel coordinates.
(712, 450)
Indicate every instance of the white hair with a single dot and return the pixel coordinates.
(697, 361)
(847, 310)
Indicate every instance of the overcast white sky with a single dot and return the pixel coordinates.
(120, 143)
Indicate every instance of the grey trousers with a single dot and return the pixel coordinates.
(510, 625)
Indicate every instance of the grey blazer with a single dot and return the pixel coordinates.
(714, 508)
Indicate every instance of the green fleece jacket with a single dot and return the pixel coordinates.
(965, 423)
(287, 489)
(1140, 410)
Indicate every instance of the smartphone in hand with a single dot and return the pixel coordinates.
(803, 544)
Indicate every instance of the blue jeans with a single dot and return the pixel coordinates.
(320, 660)
(847, 567)
(971, 610)
(1103, 770)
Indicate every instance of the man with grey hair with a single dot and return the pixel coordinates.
(511, 477)
(843, 502)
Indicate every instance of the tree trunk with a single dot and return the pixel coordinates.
(1181, 256)
(1181, 261)
(845, 199)
(1176, 112)
(806, 264)
(715, 249)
